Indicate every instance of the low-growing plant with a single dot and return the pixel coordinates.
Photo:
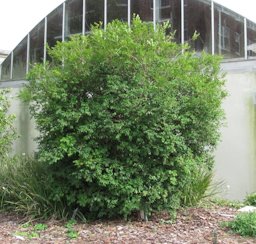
(40, 227)
(27, 234)
(215, 201)
(31, 231)
(26, 225)
(71, 232)
(250, 199)
(244, 224)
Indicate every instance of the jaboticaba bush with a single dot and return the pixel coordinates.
(126, 117)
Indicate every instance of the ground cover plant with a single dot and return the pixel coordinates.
(126, 118)
(251, 199)
(244, 224)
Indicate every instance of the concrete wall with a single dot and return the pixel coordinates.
(235, 155)
(25, 126)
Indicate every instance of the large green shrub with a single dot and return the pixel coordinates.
(126, 116)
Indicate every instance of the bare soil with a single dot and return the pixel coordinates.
(195, 225)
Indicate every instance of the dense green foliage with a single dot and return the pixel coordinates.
(251, 199)
(244, 224)
(126, 117)
(7, 132)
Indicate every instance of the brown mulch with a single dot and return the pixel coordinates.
(195, 225)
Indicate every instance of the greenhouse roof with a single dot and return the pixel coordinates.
(222, 31)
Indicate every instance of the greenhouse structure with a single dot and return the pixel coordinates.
(222, 32)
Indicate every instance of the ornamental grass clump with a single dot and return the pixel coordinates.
(125, 116)
(25, 188)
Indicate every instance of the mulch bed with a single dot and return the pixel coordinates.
(195, 225)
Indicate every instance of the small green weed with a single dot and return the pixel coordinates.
(27, 234)
(40, 227)
(226, 203)
(168, 222)
(26, 225)
(32, 231)
(71, 232)
(244, 224)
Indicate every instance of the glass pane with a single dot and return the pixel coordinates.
(229, 33)
(73, 17)
(20, 60)
(251, 38)
(117, 9)
(6, 68)
(54, 26)
(94, 13)
(170, 10)
(197, 17)
(143, 8)
(36, 52)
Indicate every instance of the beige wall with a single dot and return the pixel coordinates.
(236, 154)
(25, 127)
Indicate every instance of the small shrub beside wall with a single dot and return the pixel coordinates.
(125, 119)
(7, 132)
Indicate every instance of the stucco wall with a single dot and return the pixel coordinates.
(25, 126)
(236, 154)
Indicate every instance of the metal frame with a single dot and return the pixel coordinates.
(83, 19)
(213, 27)
(129, 16)
(182, 23)
(105, 14)
(154, 14)
(28, 52)
(245, 39)
(45, 38)
(63, 21)
(11, 69)
(129, 12)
